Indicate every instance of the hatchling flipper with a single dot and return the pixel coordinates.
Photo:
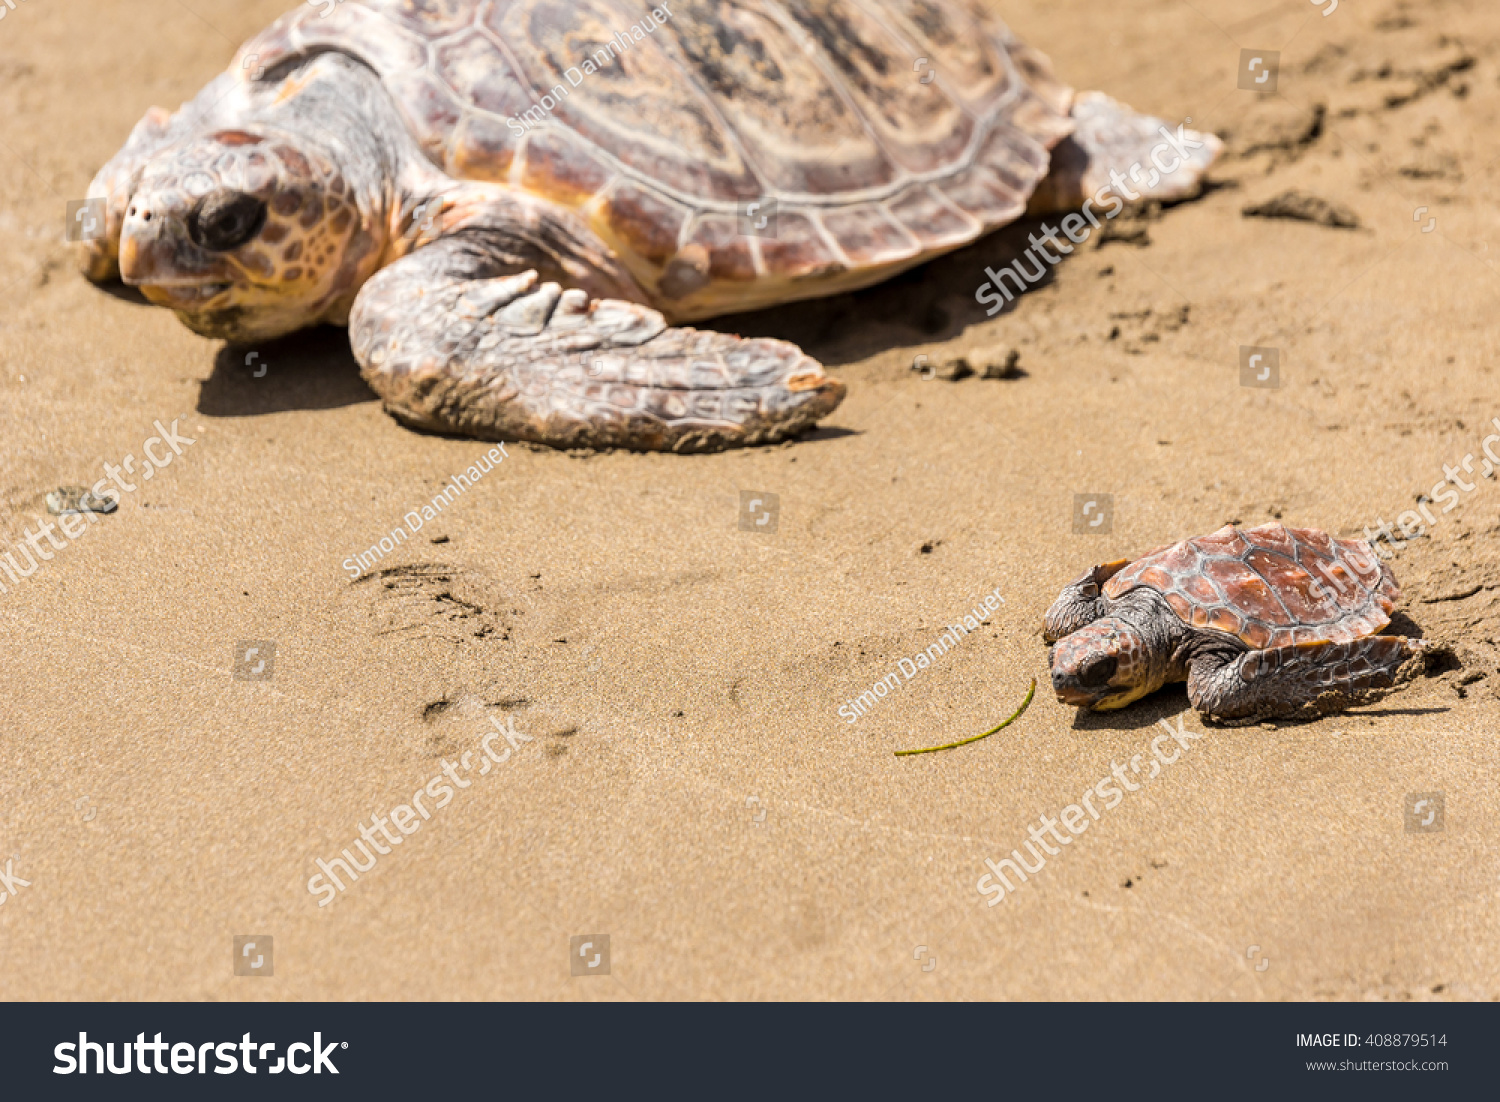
(513, 358)
(1079, 603)
(1301, 678)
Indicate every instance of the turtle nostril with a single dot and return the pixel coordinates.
(225, 220)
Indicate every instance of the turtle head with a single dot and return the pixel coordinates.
(1102, 666)
(247, 235)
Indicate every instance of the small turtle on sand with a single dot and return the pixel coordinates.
(515, 204)
(1261, 622)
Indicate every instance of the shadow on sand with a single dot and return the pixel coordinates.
(928, 304)
(308, 370)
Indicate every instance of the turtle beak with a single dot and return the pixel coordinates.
(1069, 691)
(158, 256)
(155, 249)
(1072, 695)
(139, 260)
(1065, 685)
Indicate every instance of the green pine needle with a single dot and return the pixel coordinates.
(964, 742)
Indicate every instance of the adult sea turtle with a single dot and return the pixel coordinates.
(515, 204)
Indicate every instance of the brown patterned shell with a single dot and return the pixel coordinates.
(1271, 586)
(886, 131)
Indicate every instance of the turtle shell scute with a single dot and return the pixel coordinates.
(1269, 586)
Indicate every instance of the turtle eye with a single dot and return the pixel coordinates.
(1097, 673)
(225, 220)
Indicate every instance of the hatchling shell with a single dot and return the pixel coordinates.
(1270, 586)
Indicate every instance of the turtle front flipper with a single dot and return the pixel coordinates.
(1115, 155)
(1304, 678)
(1080, 602)
(513, 358)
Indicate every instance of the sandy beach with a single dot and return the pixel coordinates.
(660, 687)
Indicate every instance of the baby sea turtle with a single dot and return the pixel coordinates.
(515, 204)
(1260, 622)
